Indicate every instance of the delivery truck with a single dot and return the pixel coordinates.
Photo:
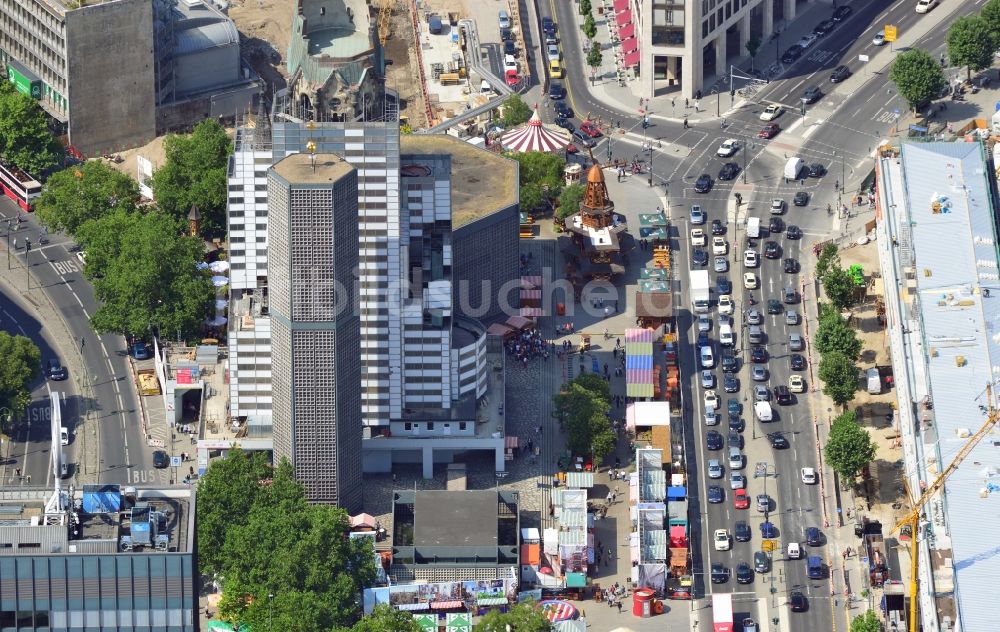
(753, 227)
(700, 296)
(722, 612)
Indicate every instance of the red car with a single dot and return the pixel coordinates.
(571, 149)
(512, 78)
(590, 129)
(770, 131)
(741, 500)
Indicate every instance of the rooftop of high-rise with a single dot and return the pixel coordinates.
(482, 182)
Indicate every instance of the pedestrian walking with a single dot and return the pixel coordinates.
(685, 103)
(619, 606)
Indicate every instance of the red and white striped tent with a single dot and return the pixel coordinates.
(534, 136)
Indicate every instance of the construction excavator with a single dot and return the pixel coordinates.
(912, 520)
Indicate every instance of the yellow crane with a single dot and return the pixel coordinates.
(384, 18)
(916, 507)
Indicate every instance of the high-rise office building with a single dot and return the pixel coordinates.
(315, 330)
(437, 242)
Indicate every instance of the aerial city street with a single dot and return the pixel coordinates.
(621, 315)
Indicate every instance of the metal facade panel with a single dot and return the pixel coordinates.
(955, 257)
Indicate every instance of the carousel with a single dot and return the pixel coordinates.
(534, 136)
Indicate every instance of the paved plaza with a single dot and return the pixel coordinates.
(529, 404)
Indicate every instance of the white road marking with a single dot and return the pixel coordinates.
(812, 128)
(792, 127)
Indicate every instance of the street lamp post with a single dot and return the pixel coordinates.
(777, 46)
(746, 145)
(651, 164)
(718, 99)
(9, 221)
(27, 266)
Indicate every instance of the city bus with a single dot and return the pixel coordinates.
(19, 186)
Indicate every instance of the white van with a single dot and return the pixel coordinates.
(794, 167)
(763, 411)
(753, 227)
(485, 88)
(873, 381)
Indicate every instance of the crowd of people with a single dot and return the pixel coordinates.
(527, 345)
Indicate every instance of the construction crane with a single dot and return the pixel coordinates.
(916, 507)
(384, 20)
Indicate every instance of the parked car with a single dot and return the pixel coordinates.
(792, 54)
(741, 500)
(793, 232)
(808, 40)
(718, 228)
(714, 468)
(824, 27)
(744, 574)
(808, 475)
(840, 13)
(801, 198)
(713, 440)
(742, 531)
(879, 39)
(796, 362)
(768, 530)
(564, 112)
(556, 91)
(791, 266)
(777, 206)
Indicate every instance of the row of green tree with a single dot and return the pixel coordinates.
(972, 41)
(141, 258)
(20, 364)
(25, 140)
(286, 564)
(581, 408)
(849, 447)
(836, 341)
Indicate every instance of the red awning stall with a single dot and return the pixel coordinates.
(629, 45)
(623, 18)
(632, 59)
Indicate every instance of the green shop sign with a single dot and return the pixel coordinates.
(25, 81)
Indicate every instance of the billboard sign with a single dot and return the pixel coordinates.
(25, 81)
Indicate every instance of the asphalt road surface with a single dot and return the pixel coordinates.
(103, 381)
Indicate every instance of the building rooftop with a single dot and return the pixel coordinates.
(436, 514)
(102, 520)
(947, 229)
(306, 169)
(482, 182)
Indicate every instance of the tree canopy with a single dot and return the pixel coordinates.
(541, 177)
(589, 26)
(195, 175)
(839, 287)
(585, 7)
(25, 140)
(145, 276)
(84, 192)
(581, 408)
(19, 368)
(971, 43)
(990, 13)
(514, 111)
(524, 617)
(839, 375)
(849, 447)
(228, 489)
(827, 257)
(834, 334)
(594, 56)
(867, 622)
(286, 563)
(569, 200)
(385, 618)
(918, 77)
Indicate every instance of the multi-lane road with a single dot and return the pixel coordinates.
(110, 446)
(840, 131)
